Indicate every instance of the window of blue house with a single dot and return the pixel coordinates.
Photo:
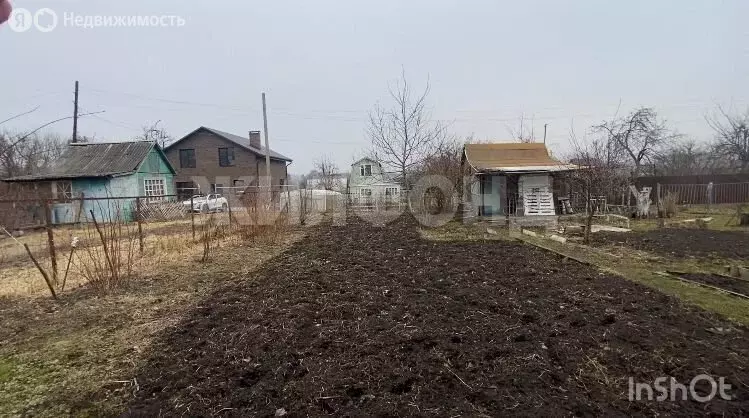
(155, 189)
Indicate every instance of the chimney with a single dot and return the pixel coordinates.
(255, 140)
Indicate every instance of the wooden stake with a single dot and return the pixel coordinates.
(50, 239)
(140, 226)
(41, 270)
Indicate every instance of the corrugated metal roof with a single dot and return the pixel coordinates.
(241, 141)
(513, 157)
(95, 160)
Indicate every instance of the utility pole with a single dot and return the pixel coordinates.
(267, 147)
(545, 125)
(75, 115)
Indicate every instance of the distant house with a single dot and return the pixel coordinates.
(369, 184)
(211, 161)
(339, 182)
(100, 170)
(510, 179)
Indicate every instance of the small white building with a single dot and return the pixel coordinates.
(338, 182)
(370, 185)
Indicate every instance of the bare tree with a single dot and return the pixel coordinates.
(155, 133)
(689, 158)
(31, 155)
(640, 135)
(524, 133)
(597, 176)
(403, 134)
(732, 137)
(328, 173)
(445, 161)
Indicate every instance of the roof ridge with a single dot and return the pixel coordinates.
(235, 139)
(77, 144)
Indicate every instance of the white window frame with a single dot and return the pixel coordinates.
(363, 194)
(391, 191)
(154, 189)
(62, 191)
(366, 168)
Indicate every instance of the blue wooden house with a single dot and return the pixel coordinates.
(108, 176)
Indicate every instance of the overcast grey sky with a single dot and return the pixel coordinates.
(324, 64)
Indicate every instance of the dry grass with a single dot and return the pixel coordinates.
(724, 218)
(163, 241)
(80, 354)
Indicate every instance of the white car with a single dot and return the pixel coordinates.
(205, 204)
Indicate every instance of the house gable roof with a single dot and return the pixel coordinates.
(512, 157)
(366, 159)
(237, 140)
(96, 159)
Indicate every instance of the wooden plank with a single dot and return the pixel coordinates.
(730, 292)
(557, 252)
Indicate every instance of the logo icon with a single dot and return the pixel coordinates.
(45, 20)
(20, 20)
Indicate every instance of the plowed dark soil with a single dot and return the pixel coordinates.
(365, 321)
(682, 242)
(734, 285)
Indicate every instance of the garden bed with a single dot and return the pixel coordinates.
(682, 242)
(366, 321)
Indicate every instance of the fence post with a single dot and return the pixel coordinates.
(140, 227)
(228, 207)
(50, 239)
(80, 209)
(192, 216)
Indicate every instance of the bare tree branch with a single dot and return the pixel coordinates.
(9, 147)
(403, 135)
(598, 174)
(328, 173)
(731, 137)
(640, 136)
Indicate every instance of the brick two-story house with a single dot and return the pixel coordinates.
(211, 161)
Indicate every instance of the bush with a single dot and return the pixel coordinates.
(670, 204)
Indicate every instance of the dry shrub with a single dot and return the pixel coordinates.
(670, 204)
(109, 250)
(304, 205)
(209, 233)
(265, 222)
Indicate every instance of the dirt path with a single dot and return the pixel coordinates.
(366, 321)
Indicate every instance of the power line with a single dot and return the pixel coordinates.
(329, 114)
(182, 102)
(19, 115)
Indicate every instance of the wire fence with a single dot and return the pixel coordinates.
(102, 240)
